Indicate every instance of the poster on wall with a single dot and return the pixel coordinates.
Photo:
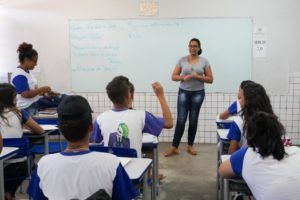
(259, 42)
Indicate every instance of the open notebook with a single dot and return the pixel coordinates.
(124, 161)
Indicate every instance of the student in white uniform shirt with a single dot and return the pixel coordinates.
(12, 121)
(78, 173)
(253, 98)
(30, 96)
(270, 170)
(122, 126)
(235, 107)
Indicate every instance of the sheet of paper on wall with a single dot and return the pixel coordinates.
(148, 7)
(259, 42)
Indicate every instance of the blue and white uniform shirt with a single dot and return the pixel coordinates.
(236, 131)
(78, 175)
(13, 127)
(24, 81)
(269, 178)
(124, 128)
(234, 108)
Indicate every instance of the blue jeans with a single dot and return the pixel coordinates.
(188, 103)
(43, 103)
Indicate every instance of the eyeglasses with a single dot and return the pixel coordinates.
(193, 46)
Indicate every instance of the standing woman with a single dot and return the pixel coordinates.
(28, 93)
(192, 71)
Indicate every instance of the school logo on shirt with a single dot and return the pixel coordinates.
(120, 137)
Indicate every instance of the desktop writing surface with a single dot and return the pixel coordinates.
(147, 50)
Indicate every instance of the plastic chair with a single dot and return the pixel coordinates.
(54, 147)
(118, 151)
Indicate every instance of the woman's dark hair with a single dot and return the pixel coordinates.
(256, 99)
(7, 96)
(264, 133)
(118, 89)
(25, 50)
(199, 44)
(245, 82)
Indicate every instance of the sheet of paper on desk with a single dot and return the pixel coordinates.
(48, 127)
(124, 161)
(47, 112)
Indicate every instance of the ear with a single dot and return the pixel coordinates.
(91, 127)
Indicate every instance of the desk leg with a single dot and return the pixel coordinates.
(154, 189)
(226, 189)
(46, 145)
(2, 192)
(145, 187)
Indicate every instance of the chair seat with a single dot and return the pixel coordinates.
(54, 147)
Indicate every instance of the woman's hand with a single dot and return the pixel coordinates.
(187, 77)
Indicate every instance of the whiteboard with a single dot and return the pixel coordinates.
(147, 50)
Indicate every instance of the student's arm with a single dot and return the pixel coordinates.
(35, 92)
(122, 186)
(233, 167)
(159, 91)
(233, 147)
(30, 123)
(1, 143)
(232, 110)
(234, 135)
(225, 169)
(206, 78)
(96, 135)
(21, 84)
(34, 191)
(224, 115)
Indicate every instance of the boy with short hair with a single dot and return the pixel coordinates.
(77, 173)
(122, 126)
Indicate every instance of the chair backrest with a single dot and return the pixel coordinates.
(118, 151)
(21, 143)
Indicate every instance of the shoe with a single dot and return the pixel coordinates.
(191, 150)
(172, 151)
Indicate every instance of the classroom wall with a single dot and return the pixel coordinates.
(45, 25)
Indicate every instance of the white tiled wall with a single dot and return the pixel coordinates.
(287, 107)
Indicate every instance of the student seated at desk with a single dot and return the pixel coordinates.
(77, 173)
(12, 121)
(30, 96)
(270, 170)
(235, 107)
(253, 98)
(123, 127)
